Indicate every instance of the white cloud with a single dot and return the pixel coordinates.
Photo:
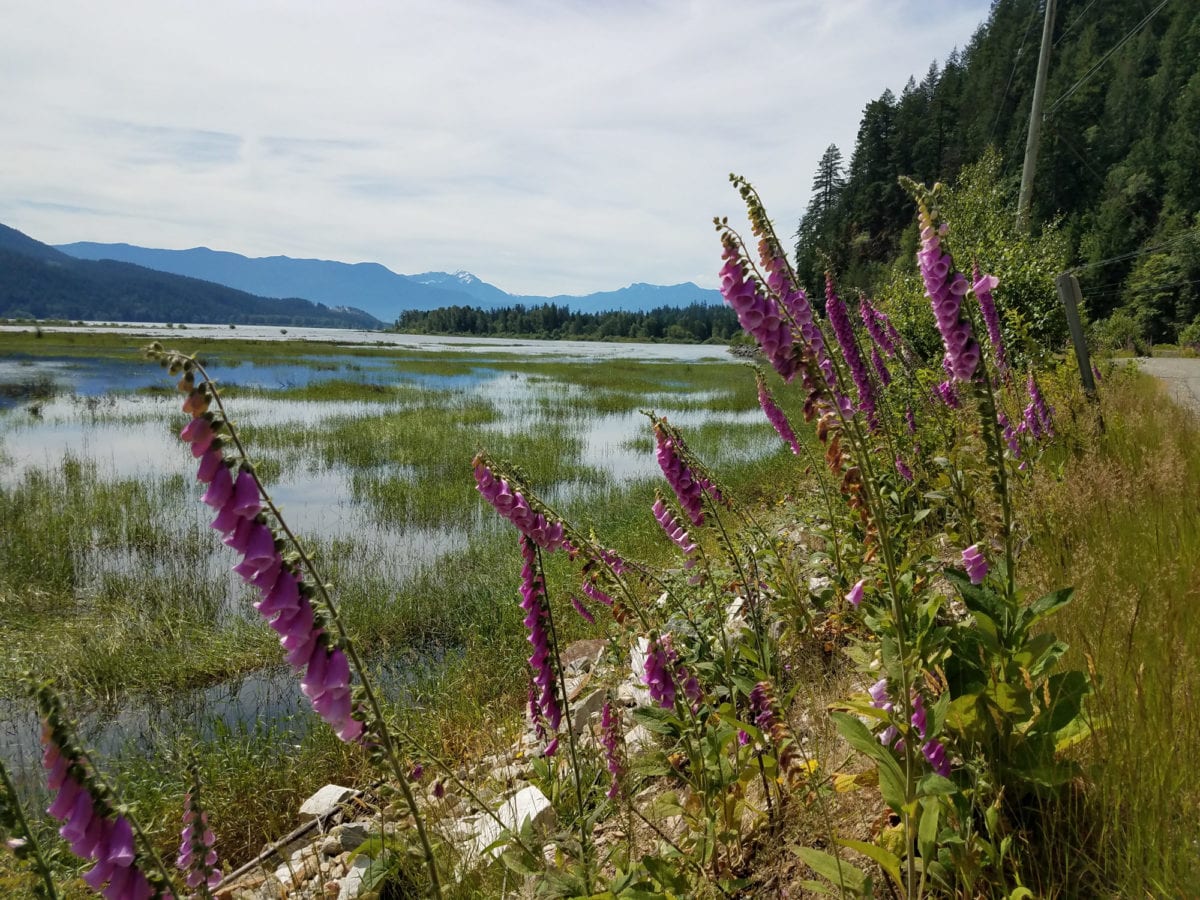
(549, 147)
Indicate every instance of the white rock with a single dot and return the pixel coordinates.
(351, 883)
(326, 801)
(527, 805)
(638, 738)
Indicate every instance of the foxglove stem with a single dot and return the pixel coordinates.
(93, 828)
(197, 859)
(199, 399)
(30, 845)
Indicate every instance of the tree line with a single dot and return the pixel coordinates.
(697, 323)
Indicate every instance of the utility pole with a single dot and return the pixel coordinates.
(1035, 122)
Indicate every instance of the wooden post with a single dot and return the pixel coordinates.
(1032, 142)
(1068, 292)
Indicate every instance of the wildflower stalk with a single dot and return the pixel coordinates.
(584, 819)
(30, 846)
(383, 732)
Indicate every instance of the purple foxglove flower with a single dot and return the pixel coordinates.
(935, 755)
(675, 531)
(945, 289)
(657, 672)
(795, 303)
(220, 489)
(119, 848)
(919, 720)
(881, 700)
(245, 495)
(776, 416)
(513, 505)
(975, 564)
(983, 286)
(1010, 436)
(902, 467)
(881, 369)
(583, 611)
(533, 602)
(1039, 411)
(835, 309)
(878, 326)
(199, 434)
(610, 739)
(758, 315)
(591, 590)
(680, 477)
(948, 394)
(854, 598)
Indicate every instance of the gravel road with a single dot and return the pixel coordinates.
(1182, 377)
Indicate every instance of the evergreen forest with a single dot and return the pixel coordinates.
(1117, 187)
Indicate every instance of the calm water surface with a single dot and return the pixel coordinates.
(98, 421)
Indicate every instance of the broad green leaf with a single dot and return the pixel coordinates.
(891, 779)
(839, 872)
(888, 861)
(1046, 605)
(658, 720)
(927, 830)
(934, 785)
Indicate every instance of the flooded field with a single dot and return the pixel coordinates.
(113, 583)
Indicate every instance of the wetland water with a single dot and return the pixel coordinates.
(364, 474)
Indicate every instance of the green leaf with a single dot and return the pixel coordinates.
(668, 874)
(843, 875)
(1011, 700)
(1066, 692)
(891, 779)
(375, 874)
(517, 860)
(1045, 606)
(888, 861)
(927, 830)
(658, 720)
(934, 785)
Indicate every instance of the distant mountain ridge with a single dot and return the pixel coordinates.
(370, 286)
(38, 281)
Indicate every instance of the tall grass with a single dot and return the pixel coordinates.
(1122, 524)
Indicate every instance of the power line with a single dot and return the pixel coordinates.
(1074, 22)
(1177, 239)
(1092, 71)
(1012, 74)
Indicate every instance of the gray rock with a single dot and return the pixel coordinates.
(586, 709)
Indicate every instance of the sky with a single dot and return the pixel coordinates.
(548, 147)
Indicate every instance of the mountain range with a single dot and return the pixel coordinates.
(38, 281)
(372, 287)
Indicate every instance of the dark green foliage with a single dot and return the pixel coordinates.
(696, 323)
(1118, 160)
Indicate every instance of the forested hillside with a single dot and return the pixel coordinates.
(1119, 169)
(695, 323)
